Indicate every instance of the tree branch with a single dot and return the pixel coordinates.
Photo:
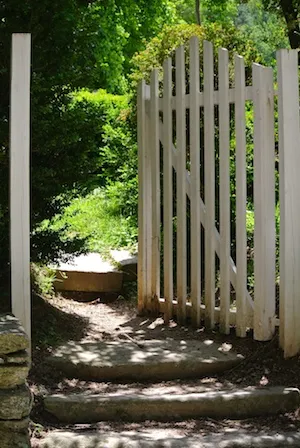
(197, 12)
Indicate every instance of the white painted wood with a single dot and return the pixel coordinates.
(289, 160)
(167, 190)
(224, 154)
(142, 200)
(232, 318)
(216, 235)
(181, 185)
(209, 181)
(195, 182)
(20, 179)
(155, 176)
(148, 199)
(232, 95)
(264, 204)
(241, 197)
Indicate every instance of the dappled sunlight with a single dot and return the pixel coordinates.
(162, 438)
(111, 353)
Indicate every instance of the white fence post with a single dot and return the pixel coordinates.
(168, 190)
(181, 185)
(289, 160)
(264, 203)
(20, 179)
(155, 178)
(224, 129)
(195, 182)
(241, 197)
(209, 181)
(144, 203)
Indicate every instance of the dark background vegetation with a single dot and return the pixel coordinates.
(84, 139)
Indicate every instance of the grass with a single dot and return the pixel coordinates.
(97, 219)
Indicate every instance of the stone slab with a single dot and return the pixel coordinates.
(14, 440)
(16, 405)
(21, 357)
(156, 360)
(13, 375)
(19, 426)
(88, 281)
(83, 408)
(12, 335)
(241, 439)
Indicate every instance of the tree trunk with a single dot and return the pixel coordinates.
(197, 11)
(290, 13)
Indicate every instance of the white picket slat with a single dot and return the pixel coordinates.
(209, 182)
(143, 199)
(181, 185)
(289, 160)
(168, 190)
(264, 203)
(195, 182)
(20, 179)
(155, 175)
(224, 132)
(241, 197)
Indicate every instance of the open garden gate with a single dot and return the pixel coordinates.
(187, 134)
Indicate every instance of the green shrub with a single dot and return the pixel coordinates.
(171, 37)
(97, 218)
(42, 279)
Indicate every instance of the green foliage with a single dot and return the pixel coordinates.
(290, 11)
(171, 37)
(107, 219)
(97, 218)
(211, 11)
(75, 44)
(42, 279)
(265, 28)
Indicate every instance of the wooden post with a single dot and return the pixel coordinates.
(168, 191)
(224, 126)
(195, 182)
(20, 179)
(209, 180)
(241, 198)
(264, 203)
(144, 203)
(155, 182)
(289, 162)
(181, 185)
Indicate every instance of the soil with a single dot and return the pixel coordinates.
(60, 319)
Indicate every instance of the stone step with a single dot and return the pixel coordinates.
(58, 439)
(156, 360)
(88, 281)
(237, 404)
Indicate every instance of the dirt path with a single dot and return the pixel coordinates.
(69, 320)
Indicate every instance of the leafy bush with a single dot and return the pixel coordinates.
(42, 279)
(171, 37)
(98, 219)
(93, 221)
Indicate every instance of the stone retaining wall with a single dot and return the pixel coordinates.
(15, 396)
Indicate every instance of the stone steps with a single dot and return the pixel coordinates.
(58, 439)
(150, 363)
(237, 404)
(153, 360)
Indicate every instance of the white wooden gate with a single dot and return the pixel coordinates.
(182, 152)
